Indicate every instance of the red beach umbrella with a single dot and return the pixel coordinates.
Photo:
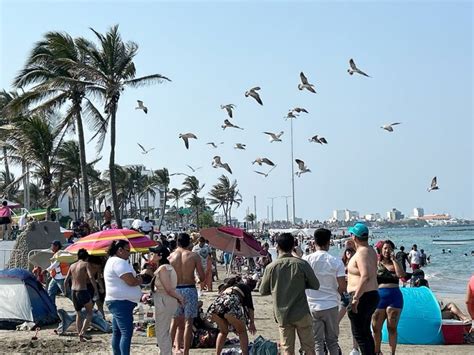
(98, 243)
(232, 240)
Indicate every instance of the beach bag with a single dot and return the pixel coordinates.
(261, 346)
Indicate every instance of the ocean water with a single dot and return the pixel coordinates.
(447, 273)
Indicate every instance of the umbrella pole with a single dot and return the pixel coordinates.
(232, 258)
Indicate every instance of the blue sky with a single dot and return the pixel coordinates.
(418, 54)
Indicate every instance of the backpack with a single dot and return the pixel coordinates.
(261, 346)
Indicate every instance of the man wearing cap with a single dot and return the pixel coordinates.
(363, 288)
(58, 272)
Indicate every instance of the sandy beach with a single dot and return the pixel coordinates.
(19, 342)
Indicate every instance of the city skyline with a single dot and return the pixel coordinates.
(212, 60)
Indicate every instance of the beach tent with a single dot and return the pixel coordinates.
(24, 300)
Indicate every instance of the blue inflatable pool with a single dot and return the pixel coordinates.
(420, 321)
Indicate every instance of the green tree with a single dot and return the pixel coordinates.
(52, 69)
(36, 139)
(109, 70)
(162, 179)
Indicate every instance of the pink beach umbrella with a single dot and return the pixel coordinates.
(98, 243)
(232, 240)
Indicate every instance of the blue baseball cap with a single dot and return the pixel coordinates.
(360, 230)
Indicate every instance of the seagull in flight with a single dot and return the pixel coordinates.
(303, 168)
(228, 108)
(240, 146)
(318, 139)
(274, 137)
(434, 185)
(179, 174)
(265, 174)
(353, 69)
(305, 84)
(253, 93)
(388, 127)
(144, 151)
(217, 163)
(185, 137)
(299, 110)
(214, 145)
(141, 106)
(228, 124)
(290, 116)
(193, 169)
(260, 161)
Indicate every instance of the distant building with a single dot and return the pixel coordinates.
(372, 217)
(350, 215)
(338, 215)
(219, 218)
(395, 215)
(418, 212)
(436, 217)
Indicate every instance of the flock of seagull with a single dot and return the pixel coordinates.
(273, 137)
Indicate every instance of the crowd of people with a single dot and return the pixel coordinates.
(311, 291)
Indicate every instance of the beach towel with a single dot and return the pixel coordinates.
(261, 346)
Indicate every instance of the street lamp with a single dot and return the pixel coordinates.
(272, 198)
(292, 170)
(286, 202)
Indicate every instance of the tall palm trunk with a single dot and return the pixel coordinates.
(82, 157)
(7, 169)
(163, 207)
(113, 187)
(78, 198)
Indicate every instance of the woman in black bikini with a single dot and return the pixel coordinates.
(389, 272)
(233, 310)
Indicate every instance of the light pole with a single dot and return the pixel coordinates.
(272, 198)
(292, 170)
(286, 202)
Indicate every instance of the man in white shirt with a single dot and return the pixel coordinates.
(147, 227)
(324, 302)
(415, 258)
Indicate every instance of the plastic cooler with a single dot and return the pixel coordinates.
(453, 331)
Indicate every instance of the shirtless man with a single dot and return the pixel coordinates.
(185, 262)
(363, 288)
(80, 274)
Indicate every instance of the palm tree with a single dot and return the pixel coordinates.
(57, 82)
(192, 186)
(36, 139)
(251, 219)
(5, 99)
(224, 195)
(162, 179)
(110, 69)
(176, 195)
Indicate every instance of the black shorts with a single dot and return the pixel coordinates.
(80, 299)
(5, 220)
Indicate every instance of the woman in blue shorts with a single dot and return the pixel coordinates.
(389, 271)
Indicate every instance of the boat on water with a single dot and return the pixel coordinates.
(453, 241)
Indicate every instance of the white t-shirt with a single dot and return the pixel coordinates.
(326, 268)
(146, 226)
(136, 224)
(415, 257)
(115, 288)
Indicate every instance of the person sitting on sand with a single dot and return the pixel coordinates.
(80, 273)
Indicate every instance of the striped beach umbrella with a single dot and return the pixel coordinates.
(98, 243)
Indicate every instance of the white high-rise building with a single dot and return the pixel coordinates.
(338, 215)
(351, 215)
(418, 212)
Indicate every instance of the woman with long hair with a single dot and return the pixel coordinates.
(122, 294)
(165, 297)
(389, 272)
(233, 310)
